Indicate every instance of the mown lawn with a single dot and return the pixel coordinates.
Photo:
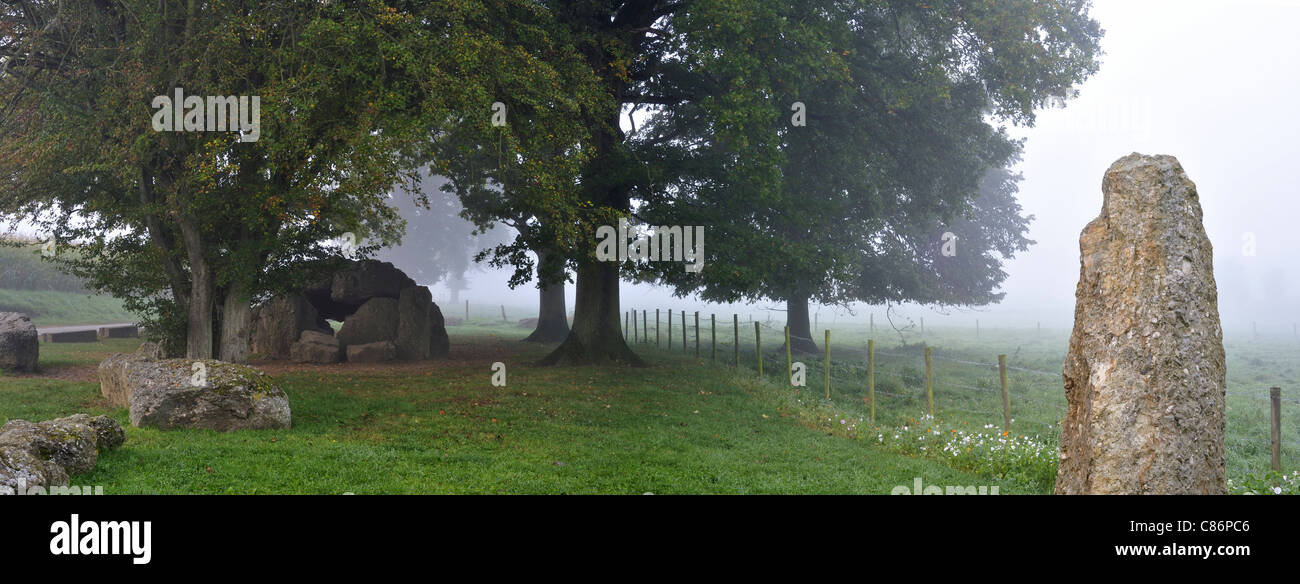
(441, 427)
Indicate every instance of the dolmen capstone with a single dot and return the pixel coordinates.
(1144, 376)
(192, 393)
(44, 454)
(385, 314)
(19, 345)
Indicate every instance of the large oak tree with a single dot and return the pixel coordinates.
(192, 227)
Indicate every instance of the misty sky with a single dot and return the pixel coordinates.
(1213, 83)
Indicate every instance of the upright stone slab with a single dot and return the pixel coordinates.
(1144, 376)
(414, 324)
(375, 321)
(19, 350)
(279, 322)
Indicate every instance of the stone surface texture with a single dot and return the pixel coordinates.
(1144, 376)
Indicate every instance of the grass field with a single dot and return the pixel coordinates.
(966, 388)
(48, 307)
(441, 427)
(683, 425)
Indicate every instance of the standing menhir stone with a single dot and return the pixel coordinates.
(1144, 377)
(19, 347)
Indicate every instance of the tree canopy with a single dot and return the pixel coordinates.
(191, 227)
(901, 106)
(822, 144)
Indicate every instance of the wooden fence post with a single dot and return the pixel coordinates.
(827, 369)
(758, 347)
(670, 329)
(713, 330)
(657, 345)
(625, 325)
(788, 372)
(697, 334)
(977, 328)
(735, 327)
(929, 383)
(871, 378)
(1275, 400)
(683, 331)
(1006, 402)
(922, 325)
(645, 328)
(466, 312)
(636, 336)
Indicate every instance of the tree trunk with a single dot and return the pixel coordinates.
(552, 324)
(597, 335)
(161, 239)
(198, 339)
(796, 317)
(236, 322)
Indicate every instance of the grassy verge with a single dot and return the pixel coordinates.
(441, 427)
(48, 308)
(968, 402)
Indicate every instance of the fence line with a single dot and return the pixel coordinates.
(928, 381)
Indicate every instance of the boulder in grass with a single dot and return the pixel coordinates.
(209, 394)
(316, 347)
(114, 378)
(19, 345)
(44, 454)
(378, 352)
(117, 372)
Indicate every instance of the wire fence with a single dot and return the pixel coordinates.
(909, 379)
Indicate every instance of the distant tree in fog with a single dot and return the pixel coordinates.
(439, 245)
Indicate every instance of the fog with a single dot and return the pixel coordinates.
(1210, 82)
